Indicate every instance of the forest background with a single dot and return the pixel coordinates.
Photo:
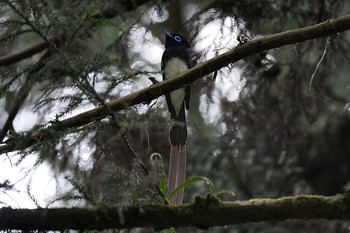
(270, 125)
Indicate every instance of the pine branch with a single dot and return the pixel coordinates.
(34, 49)
(202, 213)
(327, 28)
(21, 97)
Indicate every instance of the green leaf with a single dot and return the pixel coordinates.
(191, 181)
(226, 191)
(162, 185)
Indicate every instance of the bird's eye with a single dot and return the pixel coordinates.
(177, 38)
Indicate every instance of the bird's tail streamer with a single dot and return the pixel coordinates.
(177, 162)
(177, 171)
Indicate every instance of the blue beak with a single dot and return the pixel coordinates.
(167, 33)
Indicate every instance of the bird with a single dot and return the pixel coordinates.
(176, 60)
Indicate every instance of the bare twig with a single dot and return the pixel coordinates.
(318, 64)
(125, 137)
(126, 140)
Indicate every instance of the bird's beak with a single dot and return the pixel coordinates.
(167, 33)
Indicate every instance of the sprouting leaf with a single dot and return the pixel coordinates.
(225, 191)
(191, 181)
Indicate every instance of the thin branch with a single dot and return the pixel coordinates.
(124, 135)
(125, 6)
(28, 21)
(20, 55)
(21, 96)
(318, 64)
(202, 213)
(327, 28)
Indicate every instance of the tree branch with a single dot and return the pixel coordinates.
(40, 46)
(327, 28)
(202, 213)
(126, 6)
(20, 55)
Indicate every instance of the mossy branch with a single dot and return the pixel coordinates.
(328, 28)
(202, 213)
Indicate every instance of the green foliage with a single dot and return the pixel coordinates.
(29, 18)
(197, 179)
(274, 140)
(190, 181)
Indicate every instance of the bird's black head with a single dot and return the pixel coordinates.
(175, 40)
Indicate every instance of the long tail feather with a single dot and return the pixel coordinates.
(178, 132)
(177, 162)
(177, 171)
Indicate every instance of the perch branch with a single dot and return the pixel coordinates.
(202, 213)
(327, 28)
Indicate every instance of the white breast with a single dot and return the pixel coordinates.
(174, 67)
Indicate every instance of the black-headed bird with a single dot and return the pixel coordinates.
(176, 60)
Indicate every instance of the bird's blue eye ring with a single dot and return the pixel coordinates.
(177, 38)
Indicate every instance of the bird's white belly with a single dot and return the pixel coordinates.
(179, 96)
(174, 67)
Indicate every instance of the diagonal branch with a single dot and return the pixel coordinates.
(22, 95)
(25, 53)
(202, 213)
(327, 28)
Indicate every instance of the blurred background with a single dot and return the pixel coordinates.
(270, 125)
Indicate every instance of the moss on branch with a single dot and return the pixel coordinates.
(202, 213)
